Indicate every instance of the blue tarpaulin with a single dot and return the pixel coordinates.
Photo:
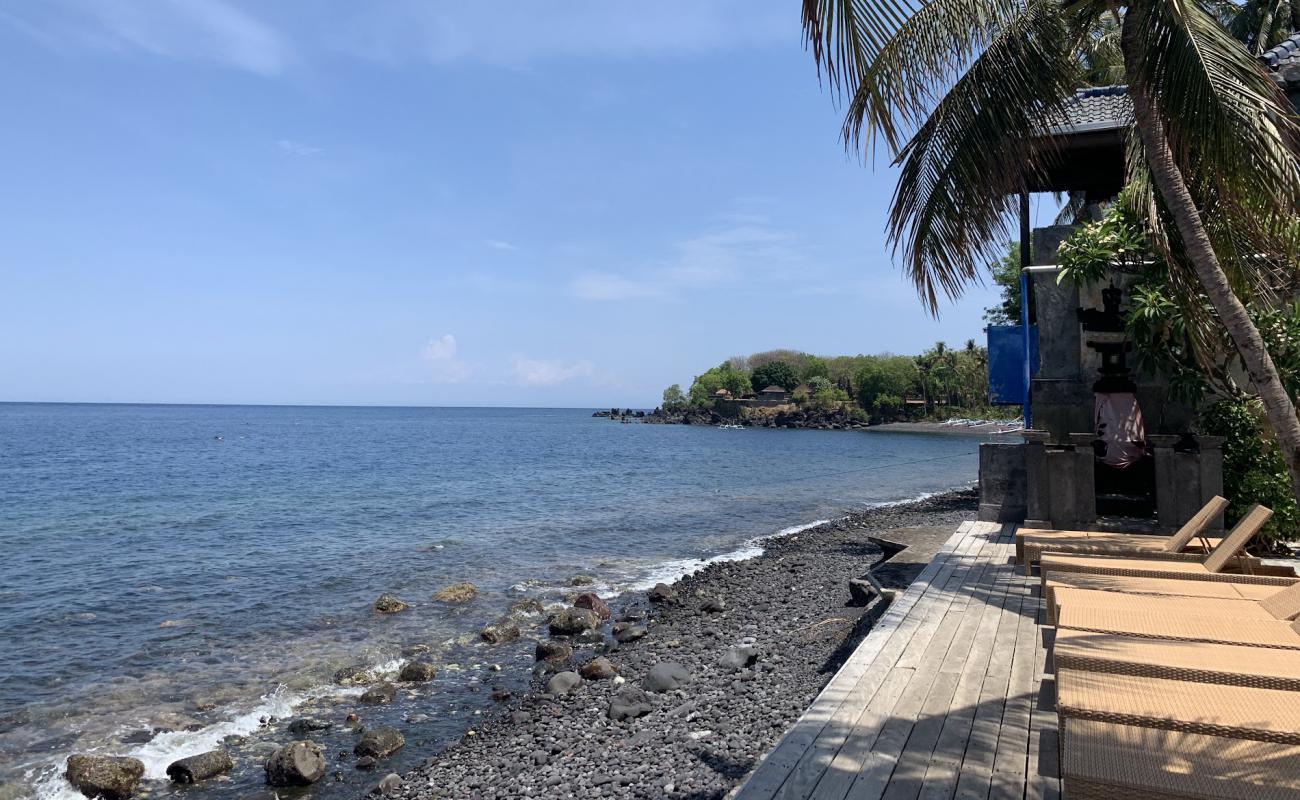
(1007, 363)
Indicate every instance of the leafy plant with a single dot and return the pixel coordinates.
(1253, 469)
(774, 373)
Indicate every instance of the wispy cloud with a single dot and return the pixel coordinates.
(504, 32)
(213, 31)
(497, 244)
(753, 248)
(446, 368)
(302, 149)
(549, 372)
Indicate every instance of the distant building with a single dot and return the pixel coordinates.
(722, 394)
(774, 394)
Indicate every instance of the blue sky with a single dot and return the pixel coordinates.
(524, 203)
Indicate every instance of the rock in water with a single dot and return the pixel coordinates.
(581, 580)
(379, 743)
(570, 621)
(111, 777)
(629, 703)
(665, 677)
(417, 672)
(599, 668)
(388, 604)
(551, 650)
(663, 593)
(305, 725)
(529, 605)
(297, 764)
(629, 631)
(738, 658)
(355, 675)
(593, 602)
(380, 695)
(563, 683)
(193, 769)
(462, 592)
(503, 630)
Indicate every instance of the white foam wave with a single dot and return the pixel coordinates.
(677, 568)
(163, 749)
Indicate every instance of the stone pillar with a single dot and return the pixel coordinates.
(1186, 479)
(1002, 482)
(1038, 509)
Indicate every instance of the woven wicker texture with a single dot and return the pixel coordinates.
(1199, 662)
(1236, 541)
(1284, 604)
(1104, 761)
(1236, 712)
(1033, 550)
(1200, 607)
(1192, 529)
(1174, 625)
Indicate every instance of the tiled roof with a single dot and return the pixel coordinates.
(1102, 108)
(1284, 60)
(773, 388)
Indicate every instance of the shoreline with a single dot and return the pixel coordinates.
(746, 672)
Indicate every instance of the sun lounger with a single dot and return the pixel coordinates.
(1198, 662)
(1210, 568)
(1158, 587)
(1153, 624)
(1105, 761)
(1032, 542)
(1281, 604)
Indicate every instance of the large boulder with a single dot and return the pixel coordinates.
(379, 743)
(551, 650)
(354, 675)
(193, 769)
(297, 764)
(592, 601)
(388, 604)
(629, 703)
(417, 672)
(305, 726)
(664, 594)
(665, 677)
(738, 658)
(110, 777)
(563, 683)
(571, 621)
(597, 669)
(380, 695)
(503, 630)
(462, 592)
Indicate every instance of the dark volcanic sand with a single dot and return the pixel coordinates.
(700, 740)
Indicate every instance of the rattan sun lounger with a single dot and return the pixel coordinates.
(1210, 568)
(1198, 662)
(1154, 624)
(1107, 761)
(1281, 604)
(1156, 587)
(1234, 712)
(1032, 542)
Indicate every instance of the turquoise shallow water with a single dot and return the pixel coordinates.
(155, 554)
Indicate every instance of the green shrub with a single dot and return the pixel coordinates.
(1253, 469)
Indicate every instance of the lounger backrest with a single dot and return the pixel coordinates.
(1284, 604)
(1241, 534)
(1196, 525)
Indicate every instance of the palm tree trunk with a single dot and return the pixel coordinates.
(1168, 180)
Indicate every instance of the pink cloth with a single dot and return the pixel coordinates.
(1119, 425)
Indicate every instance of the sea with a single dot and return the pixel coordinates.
(178, 578)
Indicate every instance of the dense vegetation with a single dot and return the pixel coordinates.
(941, 382)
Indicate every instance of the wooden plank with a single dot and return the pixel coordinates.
(855, 748)
(828, 711)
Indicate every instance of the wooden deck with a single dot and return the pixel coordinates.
(944, 697)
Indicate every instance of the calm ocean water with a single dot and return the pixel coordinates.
(159, 555)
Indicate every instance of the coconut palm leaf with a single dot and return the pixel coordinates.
(971, 156)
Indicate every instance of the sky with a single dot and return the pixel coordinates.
(520, 203)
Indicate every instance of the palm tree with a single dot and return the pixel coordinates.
(958, 89)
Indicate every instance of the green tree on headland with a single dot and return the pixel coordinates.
(674, 397)
(775, 373)
(723, 376)
(883, 382)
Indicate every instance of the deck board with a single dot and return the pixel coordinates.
(944, 698)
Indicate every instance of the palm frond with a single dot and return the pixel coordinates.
(973, 153)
